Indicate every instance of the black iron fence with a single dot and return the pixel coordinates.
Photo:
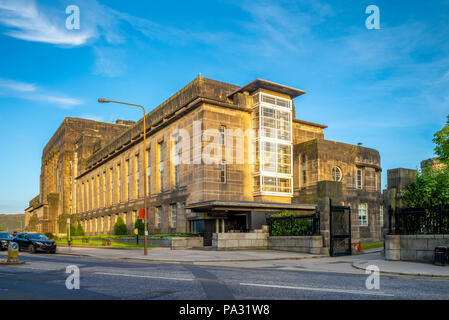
(431, 220)
(294, 225)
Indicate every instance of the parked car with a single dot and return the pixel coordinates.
(34, 242)
(5, 239)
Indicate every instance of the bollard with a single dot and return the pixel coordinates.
(13, 252)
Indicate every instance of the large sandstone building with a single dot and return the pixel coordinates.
(96, 170)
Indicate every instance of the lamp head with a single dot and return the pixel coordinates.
(101, 100)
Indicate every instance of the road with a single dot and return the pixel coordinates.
(44, 277)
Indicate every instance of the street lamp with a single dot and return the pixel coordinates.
(101, 100)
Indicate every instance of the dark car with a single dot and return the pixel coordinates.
(34, 242)
(5, 239)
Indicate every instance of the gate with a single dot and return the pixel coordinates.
(340, 230)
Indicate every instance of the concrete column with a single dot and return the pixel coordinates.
(222, 225)
(217, 226)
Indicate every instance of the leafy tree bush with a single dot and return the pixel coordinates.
(79, 230)
(120, 227)
(430, 188)
(282, 227)
(441, 140)
(140, 225)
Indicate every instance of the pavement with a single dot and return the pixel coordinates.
(46, 276)
(404, 267)
(270, 259)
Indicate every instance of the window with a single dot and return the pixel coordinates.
(363, 214)
(177, 173)
(119, 183)
(303, 171)
(111, 186)
(336, 174)
(273, 117)
(104, 189)
(149, 171)
(97, 185)
(161, 166)
(223, 172)
(128, 183)
(173, 215)
(222, 135)
(358, 183)
(157, 216)
(137, 175)
(381, 216)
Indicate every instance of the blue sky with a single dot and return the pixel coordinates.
(387, 88)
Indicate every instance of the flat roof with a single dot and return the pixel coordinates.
(268, 85)
(250, 205)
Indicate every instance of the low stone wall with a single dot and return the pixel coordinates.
(178, 243)
(413, 247)
(175, 243)
(262, 240)
(239, 241)
(303, 244)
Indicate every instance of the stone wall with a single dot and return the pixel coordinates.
(262, 240)
(304, 244)
(413, 247)
(175, 243)
(239, 241)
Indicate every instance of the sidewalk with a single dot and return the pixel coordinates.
(404, 267)
(187, 256)
(268, 259)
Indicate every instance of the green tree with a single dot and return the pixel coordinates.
(72, 230)
(120, 227)
(140, 225)
(79, 230)
(430, 188)
(441, 140)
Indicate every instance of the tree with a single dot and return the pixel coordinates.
(140, 225)
(79, 230)
(120, 227)
(441, 139)
(430, 188)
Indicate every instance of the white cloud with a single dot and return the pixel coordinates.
(27, 22)
(17, 86)
(31, 91)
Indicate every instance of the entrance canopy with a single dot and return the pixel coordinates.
(233, 206)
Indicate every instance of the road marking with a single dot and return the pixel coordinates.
(319, 289)
(142, 276)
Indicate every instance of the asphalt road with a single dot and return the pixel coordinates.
(44, 277)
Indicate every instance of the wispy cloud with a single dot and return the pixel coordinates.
(29, 91)
(26, 22)
(17, 86)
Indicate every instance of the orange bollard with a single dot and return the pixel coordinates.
(360, 246)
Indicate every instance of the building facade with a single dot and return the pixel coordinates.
(218, 158)
(48, 212)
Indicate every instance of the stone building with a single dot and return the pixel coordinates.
(60, 166)
(356, 174)
(219, 158)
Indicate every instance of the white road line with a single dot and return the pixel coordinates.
(378, 293)
(142, 276)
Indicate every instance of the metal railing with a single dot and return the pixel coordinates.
(430, 220)
(294, 225)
